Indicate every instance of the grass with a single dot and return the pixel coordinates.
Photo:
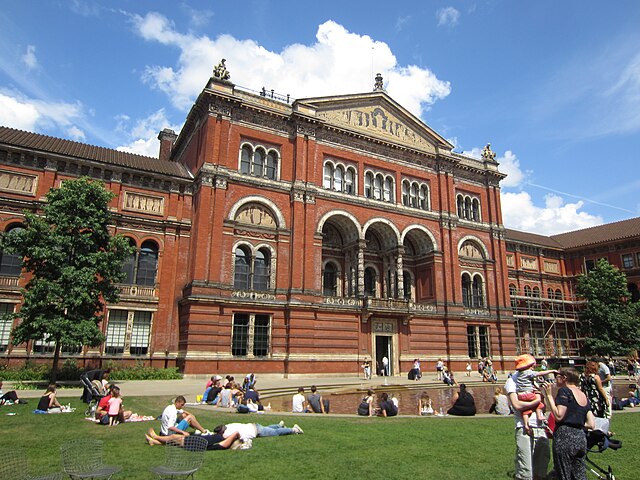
(332, 447)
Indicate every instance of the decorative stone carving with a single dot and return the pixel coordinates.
(220, 71)
(378, 121)
(529, 263)
(257, 215)
(143, 203)
(221, 182)
(511, 261)
(306, 130)
(250, 233)
(551, 267)
(297, 196)
(253, 295)
(470, 250)
(351, 302)
(488, 154)
(309, 197)
(220, 109)
(18, 183)
(379, 85)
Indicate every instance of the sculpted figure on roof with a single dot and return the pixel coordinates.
(487, 154)
(221, 72)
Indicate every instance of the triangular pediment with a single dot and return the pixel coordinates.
(377, 115)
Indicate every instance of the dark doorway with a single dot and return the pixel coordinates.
(383, 349)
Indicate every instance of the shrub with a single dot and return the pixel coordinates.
(142, 372)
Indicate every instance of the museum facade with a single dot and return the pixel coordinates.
(309, 235)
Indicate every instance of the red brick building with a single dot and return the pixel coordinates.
(304, 236)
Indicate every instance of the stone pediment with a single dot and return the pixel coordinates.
(377, 115)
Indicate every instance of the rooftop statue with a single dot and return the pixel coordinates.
(378, 85)
(221, 72)
(487, 153)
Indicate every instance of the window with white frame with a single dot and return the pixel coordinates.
(415, 195)
(6, 323)
(140, 332)
(252, 271)
(478, 341)
(44, 345)
(627, 260)
(259, 161)
(116, 332)
(136, 321)
(379, 186)
(468, 207)
(251, 335)
(339, 177)
(473, 291)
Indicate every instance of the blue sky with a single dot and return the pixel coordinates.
(553, 85)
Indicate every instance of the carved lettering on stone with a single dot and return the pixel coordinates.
(18, 183)
(143, 203)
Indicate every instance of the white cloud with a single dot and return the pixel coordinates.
(338, 62)
(448, 17)
(76, 134)
(510, 165)
(18, 111)
(520, 213)
(144, 134)
(29, 57)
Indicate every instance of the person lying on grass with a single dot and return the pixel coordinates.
(215, 440)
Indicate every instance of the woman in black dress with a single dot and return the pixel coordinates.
(49, 400)
(463, 403)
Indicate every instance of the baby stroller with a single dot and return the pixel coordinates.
(598, 441)
(93, 391)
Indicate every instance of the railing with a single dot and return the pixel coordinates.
(269, 94)
(393, 304)
(137, 291)
(9, 282)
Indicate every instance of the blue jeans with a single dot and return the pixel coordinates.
(272, 430)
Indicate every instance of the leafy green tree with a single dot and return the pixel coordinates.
(74, 264)
(610, 322)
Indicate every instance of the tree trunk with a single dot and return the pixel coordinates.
(56, 358)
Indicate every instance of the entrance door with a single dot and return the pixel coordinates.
(384, 349)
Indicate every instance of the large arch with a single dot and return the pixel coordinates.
(410, 231)
(335, 216)
(384, 228)
(478, 242)
(260, 200)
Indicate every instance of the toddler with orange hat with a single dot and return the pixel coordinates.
(526, 389)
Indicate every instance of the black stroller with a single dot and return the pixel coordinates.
(93, 390)
(598, 441)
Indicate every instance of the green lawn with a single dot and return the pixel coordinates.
(331, 448)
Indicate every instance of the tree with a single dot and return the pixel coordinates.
(74, 262)
(610, 322)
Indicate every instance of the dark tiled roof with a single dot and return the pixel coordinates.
(44, 143)
(531, 238)
(602, 233)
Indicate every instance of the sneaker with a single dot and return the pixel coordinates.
(281, 423)
(246, 445)
(297, 430)
(197, 432)
(207, 432)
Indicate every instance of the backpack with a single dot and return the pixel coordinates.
(363, 408)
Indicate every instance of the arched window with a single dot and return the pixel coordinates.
(338, 176)
(330, 280)
(466, 290)
(536, 292)
(272, 166)
(245, 160)
(388, 188)
(527, 291)
(328, 175)
(467, 208)
(377, 187)
(129, 265)
(405, 193)
(460, 204)
(258, 162)
(370, 282)
(147, 264)
(550, 293)
(242, 271)
(475, 210)
(413, 195)
(558, 294)
(478, 292)
(423, 197)
(10, 263)
(368, 185)
(261, 270)
(513, 290)
(349, 181)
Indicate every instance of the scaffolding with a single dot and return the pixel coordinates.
(547, 327)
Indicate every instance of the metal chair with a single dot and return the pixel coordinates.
(14, 465)
(82, 458)
(182, 460)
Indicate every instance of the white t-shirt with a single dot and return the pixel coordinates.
(247, 431)
(510, 387)
(169, 418)
(298, 403)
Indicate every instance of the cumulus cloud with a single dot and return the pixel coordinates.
(448, 17)
(18, 111)
(338, 62)
(520, 213)
(143, 134)
(29, 57)
(510, 165)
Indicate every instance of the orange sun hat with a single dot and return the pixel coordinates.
(525, 361)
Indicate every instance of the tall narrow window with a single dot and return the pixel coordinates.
(328, 176)
(245, 160)
(460, 204)
(261, 336)
(242, 269)
(388, 189)
(405, 193)
(475, 207)
(467, 208)
(349, 181)
(6, 323)
(258, 162)
(10, 263)
(370, 282)
(140, 332)
(424, 198)
(116, 332)
(377, 187)
(467, 295)
(413, 195)
(330, 280)
(478, 294)
(368, 185)
(261, 271)
(272, 166)
(337, 179)
(478, 341)
(147, 264)
(129, 265)
(240, 334)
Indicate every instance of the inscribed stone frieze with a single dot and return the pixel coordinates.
(143, 203)
(18, 183)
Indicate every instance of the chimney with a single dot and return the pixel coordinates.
(167, 138)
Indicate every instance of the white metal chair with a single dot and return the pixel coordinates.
(14, 466)
(182, 459)
(82, 458)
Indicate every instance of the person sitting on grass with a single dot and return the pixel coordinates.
(463, 403)
(425, 406)
(299, 403)
(176, 420)
(10, 397)
(48, 401)
(102, 410)
(215, 440)
(316, 402)
(387, 406)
